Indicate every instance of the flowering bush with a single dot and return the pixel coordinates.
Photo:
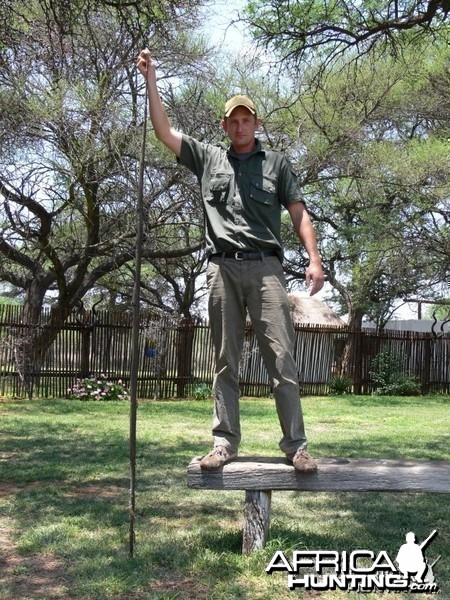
(98, 388)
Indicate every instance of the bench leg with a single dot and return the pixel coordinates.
(256, 520)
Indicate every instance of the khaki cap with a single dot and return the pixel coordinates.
(236, 101)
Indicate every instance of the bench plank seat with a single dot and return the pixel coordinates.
(258, 476)
(334, 474)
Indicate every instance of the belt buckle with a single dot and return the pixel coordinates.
(239, 255)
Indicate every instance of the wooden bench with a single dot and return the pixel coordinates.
(259, 476)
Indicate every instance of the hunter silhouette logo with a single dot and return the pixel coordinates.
(412, 562)
(360, 570)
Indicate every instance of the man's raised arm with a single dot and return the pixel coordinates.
(158, 116)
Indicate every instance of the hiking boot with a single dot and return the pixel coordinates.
(302, 461)
(218, 456)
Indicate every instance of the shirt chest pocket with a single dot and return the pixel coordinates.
(217, 189)
(263, 190)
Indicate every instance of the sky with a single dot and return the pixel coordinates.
(218, 26)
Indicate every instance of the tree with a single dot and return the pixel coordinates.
(374, 164)
(439, 311)
(70, 107)
(300, 30)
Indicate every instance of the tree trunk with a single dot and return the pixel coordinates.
(351, 358)
(35, 340)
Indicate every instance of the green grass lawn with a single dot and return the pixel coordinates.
(64, 493)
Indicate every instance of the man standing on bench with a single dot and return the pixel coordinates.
(244, 188)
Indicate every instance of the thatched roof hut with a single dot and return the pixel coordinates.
(307, 309)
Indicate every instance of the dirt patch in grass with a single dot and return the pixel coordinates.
(94, 491)
(35, 576)
(88, 490)
(41, 575)
(9, 489)
(45, 576)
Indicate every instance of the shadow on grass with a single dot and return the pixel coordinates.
(44, 451)
(203, 538)
(72, 502)
(382, 401)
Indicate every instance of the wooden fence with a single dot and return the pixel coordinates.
(176, 356)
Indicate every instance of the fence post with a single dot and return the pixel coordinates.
(426, 368)
(184, 362)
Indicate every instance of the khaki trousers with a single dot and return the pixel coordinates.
(256, 286)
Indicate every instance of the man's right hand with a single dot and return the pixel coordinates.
(145, 62)
(161, 124)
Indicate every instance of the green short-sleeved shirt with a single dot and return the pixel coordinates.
(242, 199)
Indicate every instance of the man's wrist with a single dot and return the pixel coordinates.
(315, 261)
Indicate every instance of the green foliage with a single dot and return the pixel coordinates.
(201, 391)
(388, 377)
(403, 385)
(299, 30)
(385, 367)
(98, 388)
(439, 311)
(375, 183)
(339, 385)
(85, 109)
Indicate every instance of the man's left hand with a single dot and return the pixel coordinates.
(315, 278)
